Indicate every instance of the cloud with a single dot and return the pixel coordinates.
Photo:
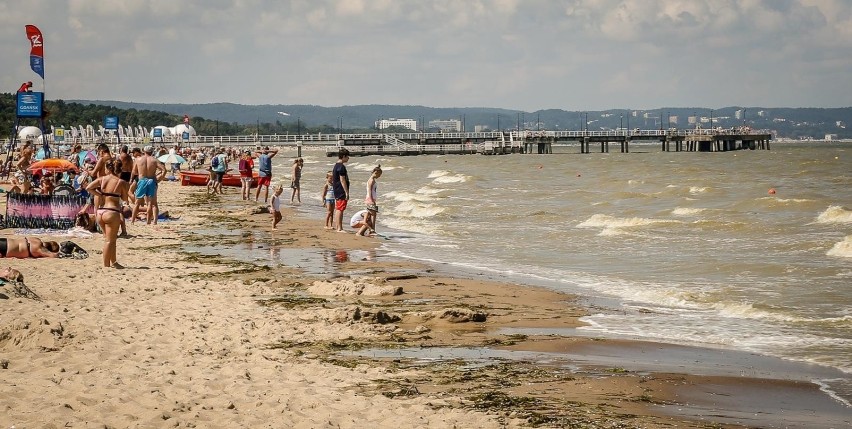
(532, 54)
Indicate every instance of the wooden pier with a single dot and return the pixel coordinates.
(483, 143)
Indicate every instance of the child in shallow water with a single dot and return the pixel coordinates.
(328, 200)
(276, 206)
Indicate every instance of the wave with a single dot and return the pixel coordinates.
(694, 190)
(684, 211)
(602, 220)
(835, 214)
(416, 209)
(443, 176)
(842, 249)
(403, 196)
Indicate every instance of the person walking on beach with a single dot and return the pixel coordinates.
(370, 201)
(340, 182)
(111, 190)
(328, 200)
(246, 167)
(296, 182)
(264, 172)
(219, 164)
(150, 171)
(276, 206)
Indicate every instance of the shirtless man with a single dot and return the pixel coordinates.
(26, 157)
(28, 247)
(150, 171)
(126, 163)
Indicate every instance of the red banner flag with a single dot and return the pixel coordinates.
(36, 49)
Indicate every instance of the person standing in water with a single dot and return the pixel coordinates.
(297, 178)
(264, 172)
(340, 181)
(328, 200)
(371, 201)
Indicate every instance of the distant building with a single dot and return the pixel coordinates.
(393, 122)
(692, 120)
(830, 137)
(738, 114)
(480, 128)
(446, 125)
(673, 119)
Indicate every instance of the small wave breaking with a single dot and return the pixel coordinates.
(835, 214)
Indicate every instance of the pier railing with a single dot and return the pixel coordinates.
(402, 140)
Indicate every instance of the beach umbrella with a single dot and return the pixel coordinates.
(171, 158)
(52, 165)
(89, 155)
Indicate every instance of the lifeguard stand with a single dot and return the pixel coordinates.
(27, 105)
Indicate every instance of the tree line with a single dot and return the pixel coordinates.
(61, 114)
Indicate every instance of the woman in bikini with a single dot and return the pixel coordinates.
(28, 247)
(112, 191)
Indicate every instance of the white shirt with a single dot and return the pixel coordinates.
(358, 218)
(276, 203)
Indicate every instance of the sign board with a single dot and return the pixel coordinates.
(59, 135)
(29, 104)
(185, 136)
(158, 134)
(111, 122)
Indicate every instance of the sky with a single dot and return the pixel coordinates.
(515, 54)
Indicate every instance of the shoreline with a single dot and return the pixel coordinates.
(179, 338)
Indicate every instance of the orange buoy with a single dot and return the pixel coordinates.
(771, 191)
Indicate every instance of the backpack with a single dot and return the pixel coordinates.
(215, 162)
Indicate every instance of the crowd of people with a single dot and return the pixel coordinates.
(124, 186)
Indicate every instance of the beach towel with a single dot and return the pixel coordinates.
(42, 211)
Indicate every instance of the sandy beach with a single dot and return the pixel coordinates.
(185, 339)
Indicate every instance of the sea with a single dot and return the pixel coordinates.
(745, 250)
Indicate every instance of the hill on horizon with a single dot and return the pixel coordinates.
(786, 122)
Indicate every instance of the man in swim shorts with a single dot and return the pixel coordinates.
(340, 182)
(150, 171)
(264, 171)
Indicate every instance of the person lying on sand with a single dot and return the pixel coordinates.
(28, 247)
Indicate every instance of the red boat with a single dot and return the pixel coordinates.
(193, 178)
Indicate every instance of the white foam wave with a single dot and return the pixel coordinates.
(790, 200)
(611, 222)
(842, 249)
(835, 214)
(685, 211)
(697, 189)
(415, 209)
(443, 177)
(403, 196)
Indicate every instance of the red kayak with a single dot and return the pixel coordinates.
(193, 178)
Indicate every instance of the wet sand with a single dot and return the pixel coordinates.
(304, 327)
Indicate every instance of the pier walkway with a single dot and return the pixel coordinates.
(486, 143)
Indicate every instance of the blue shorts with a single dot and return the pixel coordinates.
(146, 188)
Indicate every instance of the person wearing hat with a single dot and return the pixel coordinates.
(150, 171)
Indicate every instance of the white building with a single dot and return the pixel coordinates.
(393, 122)
(446, 125)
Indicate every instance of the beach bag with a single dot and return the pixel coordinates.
(215, 162)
